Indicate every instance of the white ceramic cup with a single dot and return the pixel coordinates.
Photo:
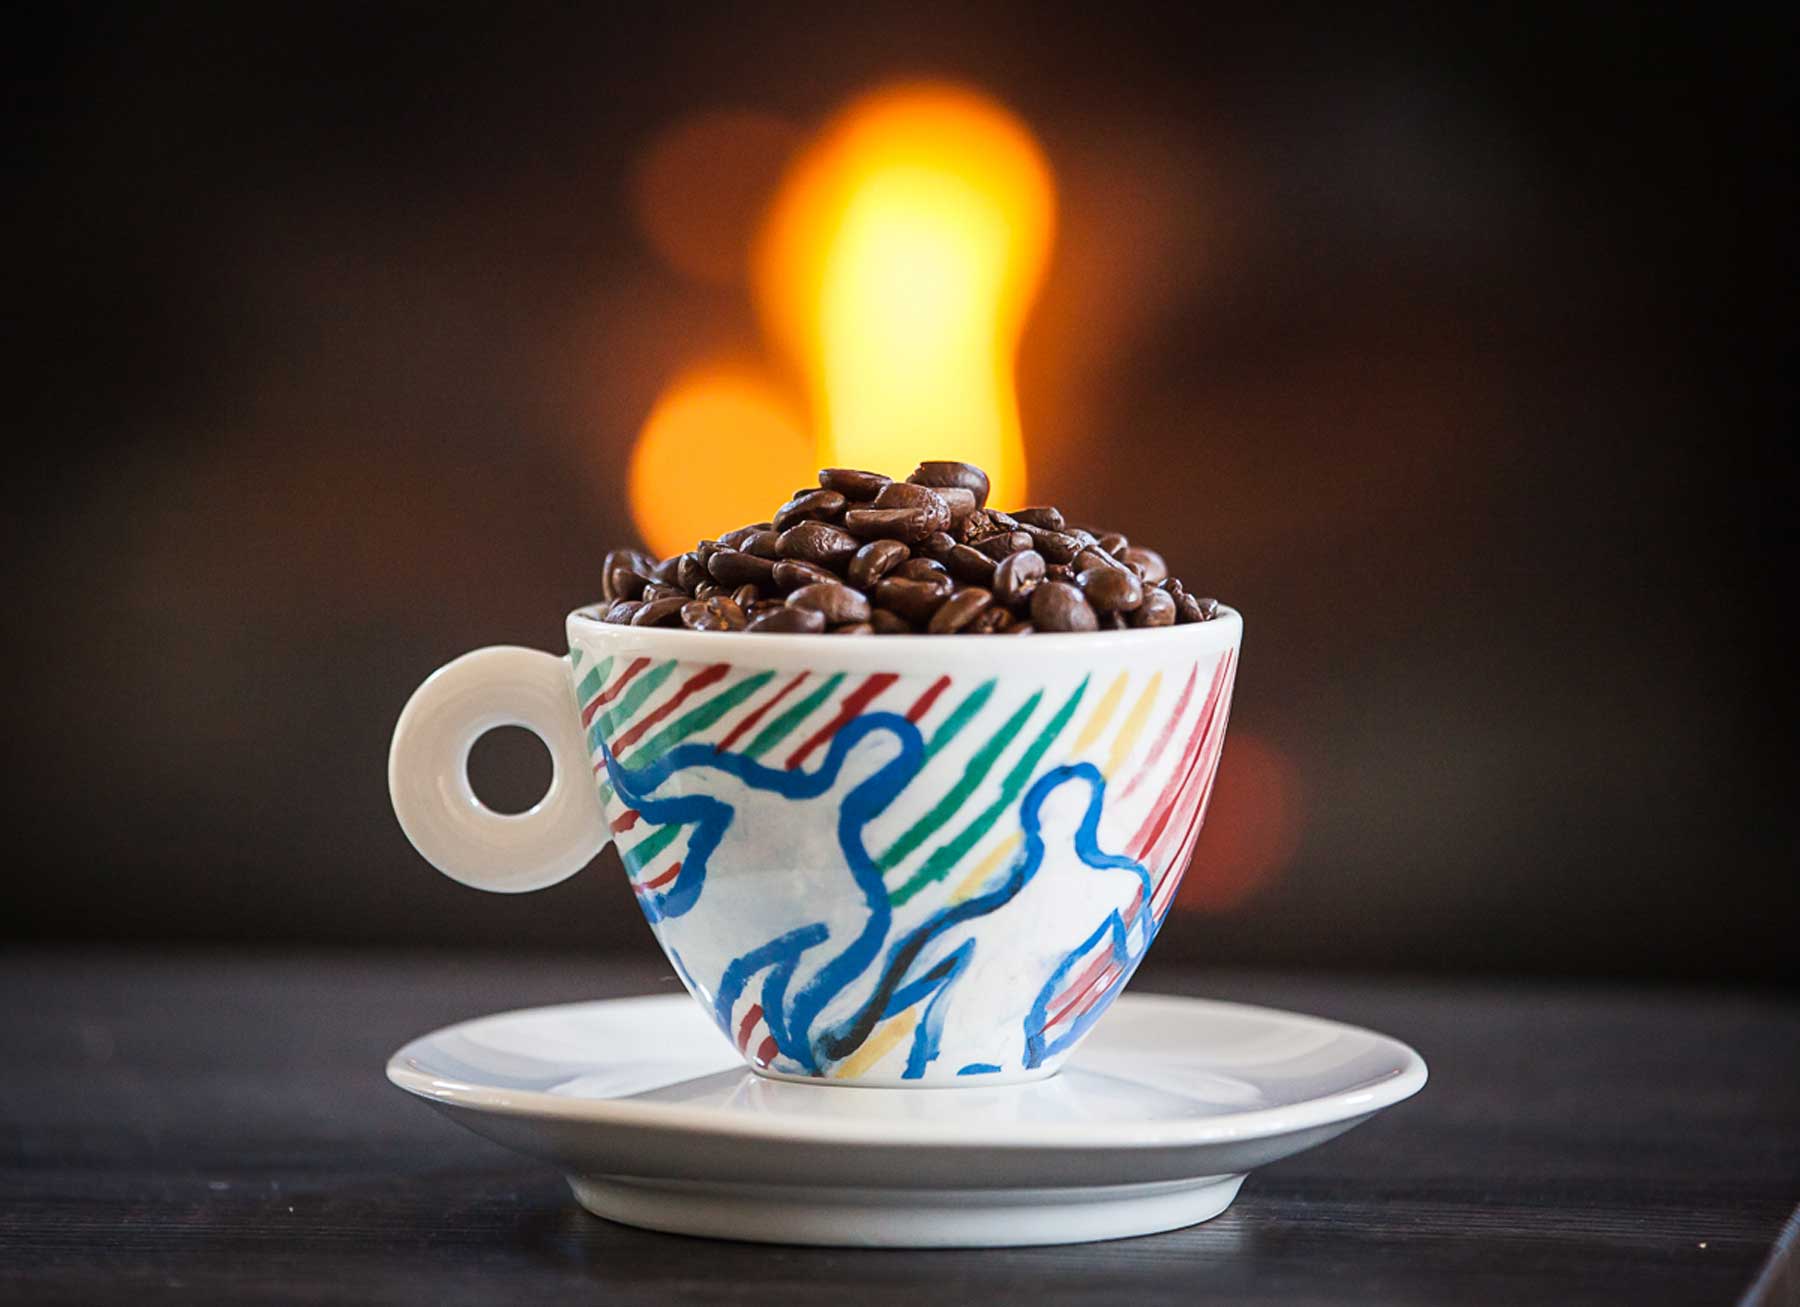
(883, 860)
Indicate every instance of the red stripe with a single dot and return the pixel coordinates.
(923, 706)
(1164, 736)
(1193, 796)
(690, 687)
(660, 881)
(1084, 982)
(853, 704)
(611, 692)
(1164, 807)
(626, 820)
(757, 716)
(765, 1051)
(1177, 866)
(747, 1025)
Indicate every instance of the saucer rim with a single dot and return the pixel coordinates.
(1349, 1103)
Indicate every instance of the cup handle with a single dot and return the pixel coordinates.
(428, 773)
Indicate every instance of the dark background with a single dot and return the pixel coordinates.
(1445, 344)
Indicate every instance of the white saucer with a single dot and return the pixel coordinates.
(1152, 1125)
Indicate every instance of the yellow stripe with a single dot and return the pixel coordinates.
(1133, 727)
(1103, 711)
(877, 1044)
(985, 868)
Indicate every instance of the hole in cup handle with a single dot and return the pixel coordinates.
(428, 773)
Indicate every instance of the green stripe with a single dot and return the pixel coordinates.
(779, 729)
(644, 850)
(595, 678)
(964, 714)
(974, 773)
(695, 719)
(948, 855)
(624, 709)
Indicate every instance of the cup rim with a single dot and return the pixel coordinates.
(887, 652)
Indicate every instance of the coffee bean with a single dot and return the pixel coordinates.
(818, 542)
(745, 595)
(886, 623)
(960, 501)
(875, 560)
(762, 544)
(1149, 563)
(1112, 541)
(707, 589)
(660, 612)
(966, 475)
(936, 545)
(811, 506)
(791, 574)
(788, 621)
(904, 494)
(836, 600)
(959, 610)
(921, 569)
(916, 601)
(1002, 543)
(1094, 556)
(1158, 609)
(1111, 588)
(1187, 608)
(970, 566)
(909, 524)
(1059, 572)
(734, 568)
(1055, 546)
(657, 590)
(735, 539)
(1017, 576)
(690, 571)
(623, 573)
(1209, 608)
(992, 620)
(622, 611)
(715, 614)
(1021, 628)
(851, 484)
(853, 628)
(1059, 606)
(668, 571)
(1048, 519)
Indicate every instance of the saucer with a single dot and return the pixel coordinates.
(1151, 1126)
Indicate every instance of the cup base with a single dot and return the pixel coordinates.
(905, 1218)
(989, 1080)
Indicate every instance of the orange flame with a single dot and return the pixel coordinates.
(895, 267)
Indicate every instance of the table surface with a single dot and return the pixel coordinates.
(218, 1129)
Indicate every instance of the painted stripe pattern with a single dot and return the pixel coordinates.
(953, 807)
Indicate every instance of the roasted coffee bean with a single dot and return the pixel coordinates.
(1112, 541)
(657, 590)
(916, 601)
(921, 569)
(853, 628)
(1059, 606)
(1187, 608)
(791, 574)
(1083, 538)
(904, 494)
(735, 539)
(1002, 544)
(1149, 563)
(960, 501)
(970, 566)
(936, 545)
(745, 595)
(690, 570)
(809, 506)
(966, 475)
(788, 621)
(667, 571)
(1055, 546)
(1017, 576)
(875, 560)
(733, 567)
(762, 544)
(1209, 608)
(851, 484)
(1111, 588)
(909, 524)
(1094, 556)
(1020, 628)
(622, 611)
(765, 605)
(707, 589)
(1059, 572)
(1047, 519)
(718, 613)
(837, 601)
(623, 573)
(886, 623)
(959, 610)
(992, 620)
(818, 542)
(660, 612)
(1158, 609)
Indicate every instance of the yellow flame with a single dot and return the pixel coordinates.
(897, 265)
(720, 449)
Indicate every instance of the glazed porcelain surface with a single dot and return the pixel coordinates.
(1152, 1124)
(901, 861)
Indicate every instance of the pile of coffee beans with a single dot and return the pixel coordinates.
(866, 555)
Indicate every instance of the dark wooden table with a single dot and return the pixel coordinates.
(218, 1130)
